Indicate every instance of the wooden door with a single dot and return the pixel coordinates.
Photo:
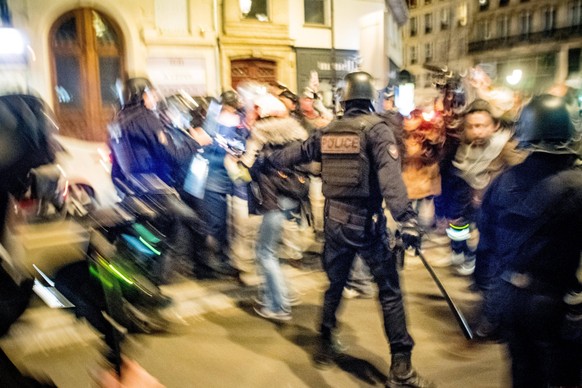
(260, 70)
(87, 61)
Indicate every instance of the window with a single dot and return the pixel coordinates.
(549, 18)
(503, 3)
(483, 5)
(428, 52)
(503, 26)
(87, 57)
(525, 23)
(427, 2)
(428, 23)
(445, 18)
(255, 9)
(314, 11)
(412, 4)
(483, 30)
(575, 8)
(574, 60)
(413, 55)
(413, 26)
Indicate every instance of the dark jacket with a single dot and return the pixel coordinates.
(531, 222)
(269, 135)
(143, 145)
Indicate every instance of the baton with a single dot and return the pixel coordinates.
(467, 332)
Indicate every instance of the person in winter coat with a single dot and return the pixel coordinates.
(361, 169)
(530, 247)
(271, 129)
(141, 144)
(485, 150)
(423, 139)
(229, 136)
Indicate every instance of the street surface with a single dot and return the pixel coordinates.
(223, 343)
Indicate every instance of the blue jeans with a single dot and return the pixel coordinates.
(274, 287)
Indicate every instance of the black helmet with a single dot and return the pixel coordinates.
(231, 98)
(134, 89)
(545, 125)
(184, 111)
(358, 86)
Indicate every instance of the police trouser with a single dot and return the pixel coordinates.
(349, 231)
(532, 319)
(185, 232)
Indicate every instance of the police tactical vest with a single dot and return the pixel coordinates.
(345, 165)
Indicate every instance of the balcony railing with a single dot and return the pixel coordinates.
(561, 34)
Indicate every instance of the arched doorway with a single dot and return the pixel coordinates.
(260, 70)
(87, 60)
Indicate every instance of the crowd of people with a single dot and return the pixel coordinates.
(266, 173)
(282, 170)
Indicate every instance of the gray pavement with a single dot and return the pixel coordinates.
(220, 342)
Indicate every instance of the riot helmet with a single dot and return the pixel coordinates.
(133, 90)
(544, 125)
(231, 98)
(183, 111)
(358, 86)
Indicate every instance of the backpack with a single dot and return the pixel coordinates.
(291, 183)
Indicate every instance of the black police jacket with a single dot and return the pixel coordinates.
(530, 221)
(385, 167)
(144, 145)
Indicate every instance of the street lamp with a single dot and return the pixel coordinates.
(404, 93)
(514, 78)
(11, 42)
(245, 6)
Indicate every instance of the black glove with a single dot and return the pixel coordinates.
(411, 234)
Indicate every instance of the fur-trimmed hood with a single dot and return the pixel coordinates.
(278, 131)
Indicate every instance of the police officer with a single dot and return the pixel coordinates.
(141, 144)
(530, 232)
(360, 168)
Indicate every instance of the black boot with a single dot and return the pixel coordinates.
(328, 350)
(403, 375)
